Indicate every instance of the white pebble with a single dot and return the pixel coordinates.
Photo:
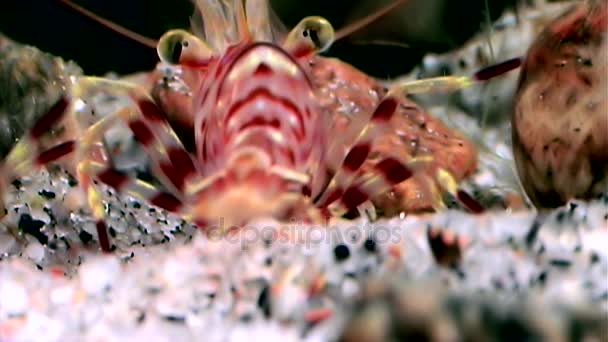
(41, 328)
(35, 251)
(39, 214)
(350, 288)
(13, 298)
(596, 241)
(7, 242)
(99, 274)
(62, 295)
(90, 228)
(289, 302)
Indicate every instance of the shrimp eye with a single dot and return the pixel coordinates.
(313, 33)
(170, 46)
(179, 46)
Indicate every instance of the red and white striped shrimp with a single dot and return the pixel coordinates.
(264, 142)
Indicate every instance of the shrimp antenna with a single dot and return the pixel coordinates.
(365, 21)
(146, 41)
(151, 43)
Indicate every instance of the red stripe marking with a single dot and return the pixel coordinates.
(333, 196)
(225, 63)
(113, 178)
(385, 110)
(178, 167)
(314, 316)
(185, 132)
(150, 110)
(265, 93)
(393, 170)
(194, 63)
(203, 133)
(142, 133)
(302, 50)
(181, 159)
(202, 224)
(204, 96)
(307, 116)
(291, 156)
(470, 202)
(356, 157)
(497, 69)
(47, 121)
(260, 121)
(353, 197)
(55, 152)
(102, 233)
(166, 201)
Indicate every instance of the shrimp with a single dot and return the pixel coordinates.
(264, 132)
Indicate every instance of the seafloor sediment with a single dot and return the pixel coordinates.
(518, 275)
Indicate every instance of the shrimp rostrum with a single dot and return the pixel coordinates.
(263, 144)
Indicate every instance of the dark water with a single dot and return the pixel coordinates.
(52, 27)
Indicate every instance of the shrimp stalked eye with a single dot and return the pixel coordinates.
(312, 34)
(181, 47)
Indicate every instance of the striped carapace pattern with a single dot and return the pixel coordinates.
(266, 141)
(262, 101)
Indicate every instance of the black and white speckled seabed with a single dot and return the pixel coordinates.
(517, 273)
